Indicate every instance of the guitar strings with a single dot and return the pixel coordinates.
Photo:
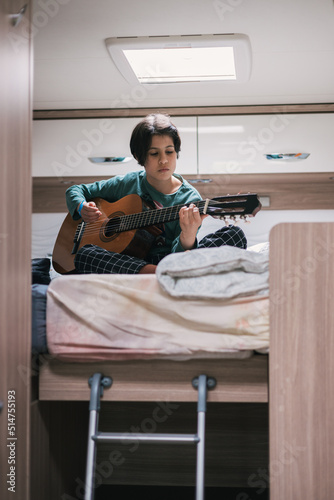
(115, 225)
(166, 214)
(130, 221)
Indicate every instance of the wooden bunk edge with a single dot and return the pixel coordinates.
(238, 380)
(301, 375)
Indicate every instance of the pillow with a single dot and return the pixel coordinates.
(41, 271)
(260, 247)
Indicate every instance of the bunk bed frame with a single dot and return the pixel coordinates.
(294, 384)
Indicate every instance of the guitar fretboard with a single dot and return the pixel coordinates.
(229, 207)
(152, 217)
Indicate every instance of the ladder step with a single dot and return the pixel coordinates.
(108, 437)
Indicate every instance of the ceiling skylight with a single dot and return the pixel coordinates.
(182, 59)
(182, 64)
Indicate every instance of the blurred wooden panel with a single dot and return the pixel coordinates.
(286, 191)
(301, 361)
(15, 248)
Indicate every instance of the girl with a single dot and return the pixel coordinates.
(155, 143)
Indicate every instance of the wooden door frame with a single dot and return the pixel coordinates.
(15, 250)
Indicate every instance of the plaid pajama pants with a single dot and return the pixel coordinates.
(93, 259)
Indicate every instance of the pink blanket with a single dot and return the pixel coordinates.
(117, 317)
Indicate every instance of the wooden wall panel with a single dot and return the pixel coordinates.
(238, 380)
(59, 437)
(183, 111)
(301, 375)
(15, 250)
(236, 446)
(286, 191)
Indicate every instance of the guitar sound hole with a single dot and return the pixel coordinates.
(111, 227)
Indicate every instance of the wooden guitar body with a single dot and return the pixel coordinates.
(135, 242)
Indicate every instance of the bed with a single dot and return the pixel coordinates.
(211, 304)
(299, 368)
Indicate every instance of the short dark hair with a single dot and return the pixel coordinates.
(153, 124)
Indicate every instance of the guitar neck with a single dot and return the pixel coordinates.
(156, 216)
(228, 206)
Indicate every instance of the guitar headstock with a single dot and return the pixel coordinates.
(232, 206)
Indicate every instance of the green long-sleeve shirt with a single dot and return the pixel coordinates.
(117, 187)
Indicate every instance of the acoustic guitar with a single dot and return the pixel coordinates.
(129, 226)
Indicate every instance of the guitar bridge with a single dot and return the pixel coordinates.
(77, 237)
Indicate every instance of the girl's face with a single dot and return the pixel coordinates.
(161, 158)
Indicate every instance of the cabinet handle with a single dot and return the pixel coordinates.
(287, 156)
(1, 406)
(110, 159)
(17, 18)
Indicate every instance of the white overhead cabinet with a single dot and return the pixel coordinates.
(98, 147)
(239, 144)
(229, 144)
(63, 148)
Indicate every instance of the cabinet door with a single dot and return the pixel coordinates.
(187, 162)
(239, 144)
(63, 148)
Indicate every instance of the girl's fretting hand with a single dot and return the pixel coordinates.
(190, 221)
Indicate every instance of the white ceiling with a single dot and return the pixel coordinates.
(292, 45)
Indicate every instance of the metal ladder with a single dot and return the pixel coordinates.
(98, 383)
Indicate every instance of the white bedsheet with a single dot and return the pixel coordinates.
(117, 317)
